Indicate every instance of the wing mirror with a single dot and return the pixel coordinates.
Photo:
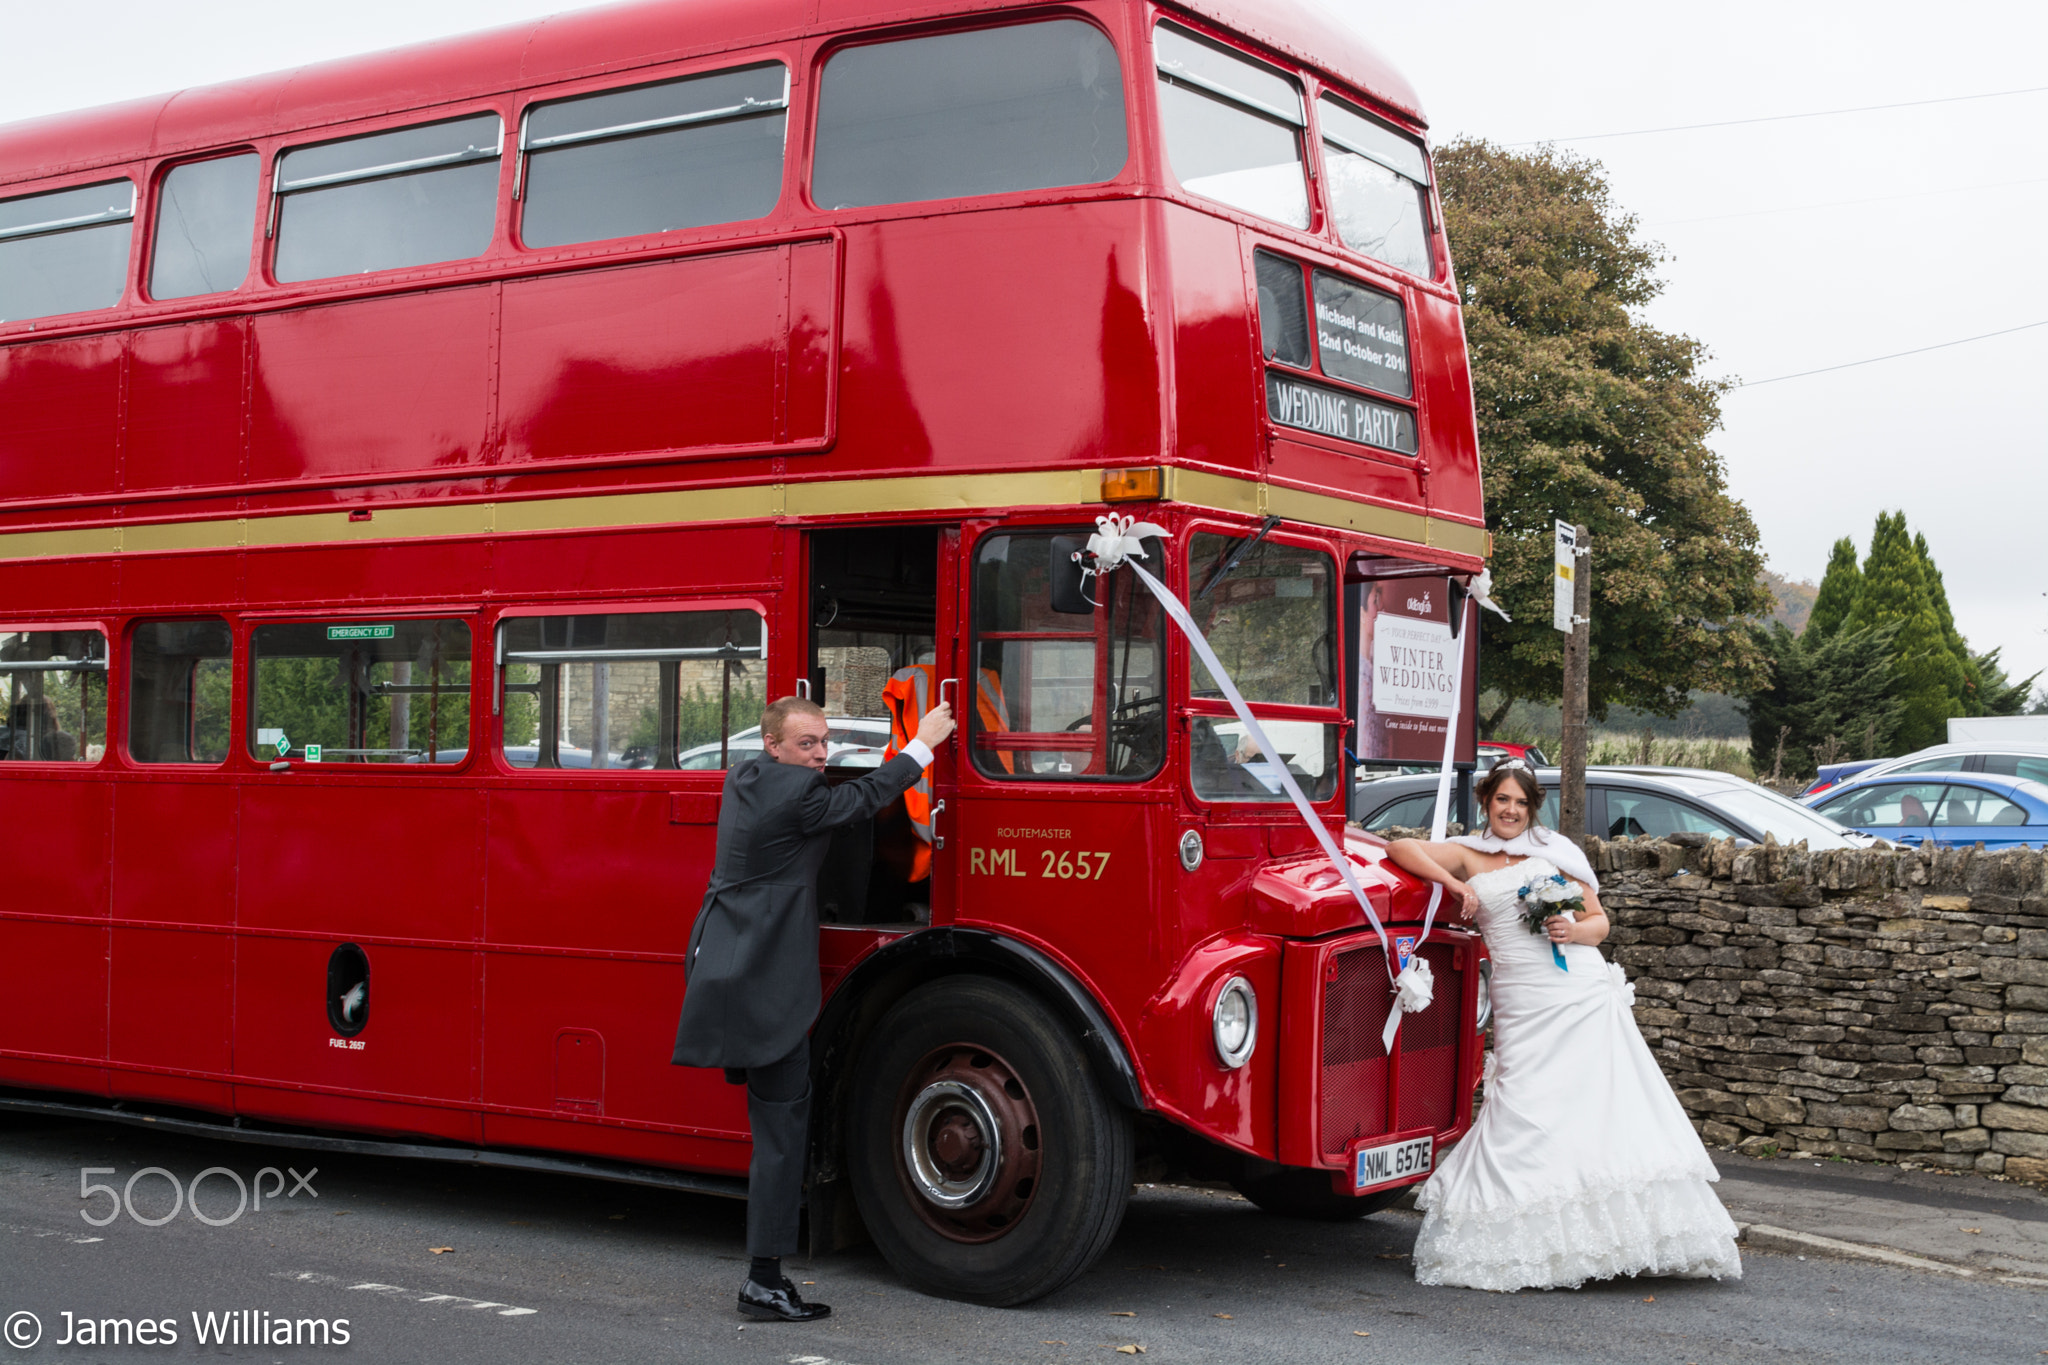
(1069, 591)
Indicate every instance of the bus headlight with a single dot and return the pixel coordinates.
(1485, 996)
(1236, 1022)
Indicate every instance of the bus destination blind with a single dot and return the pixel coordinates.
(1331, 412)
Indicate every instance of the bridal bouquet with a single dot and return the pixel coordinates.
(1547, 894)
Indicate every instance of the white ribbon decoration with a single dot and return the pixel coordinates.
(1117, 544)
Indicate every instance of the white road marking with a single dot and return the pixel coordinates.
(392, 1291)
(54, 1232)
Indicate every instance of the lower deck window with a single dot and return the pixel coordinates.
(1267, 610)
(1058, 694)
(623, 690)
(56, 685)
(179, 676)
(1225, 765)
(360, 692)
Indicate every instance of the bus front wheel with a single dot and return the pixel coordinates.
(987, 1162)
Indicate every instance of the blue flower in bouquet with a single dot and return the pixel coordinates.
(1548, 894)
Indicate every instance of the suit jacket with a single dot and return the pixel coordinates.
(752, 967)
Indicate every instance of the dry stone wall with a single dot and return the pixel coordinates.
(1882, 1005)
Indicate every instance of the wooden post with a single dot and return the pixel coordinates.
(1571, 800)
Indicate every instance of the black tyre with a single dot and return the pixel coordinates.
(1293, 1192)
(987, 1162)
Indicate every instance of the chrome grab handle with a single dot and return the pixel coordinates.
(945, 683)
(938, 839)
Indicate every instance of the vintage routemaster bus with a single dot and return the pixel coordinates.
(417, 470)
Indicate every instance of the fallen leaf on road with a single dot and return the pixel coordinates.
(1052, 1343)
(1651, 1299)
(1121, 1314)
(438, 1250)
(1973, 1229)
(1223, 1315)
(1393, 1255)
(1130, 1350)
(1361, 1334)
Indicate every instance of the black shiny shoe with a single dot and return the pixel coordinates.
(779, 1303)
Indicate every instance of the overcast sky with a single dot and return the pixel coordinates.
(1770, 265)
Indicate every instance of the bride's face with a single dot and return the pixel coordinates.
(1507, 812)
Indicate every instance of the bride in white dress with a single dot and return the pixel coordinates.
(1581, 1164)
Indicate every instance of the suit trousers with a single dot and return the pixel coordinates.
(779, 1113)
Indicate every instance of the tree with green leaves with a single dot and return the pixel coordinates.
(1589, 415)
(1838, 590)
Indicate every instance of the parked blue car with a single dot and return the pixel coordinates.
(1953, 808)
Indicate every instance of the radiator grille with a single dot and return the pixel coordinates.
(1354, 1100)
(1354, 1064)
(1429, 1049)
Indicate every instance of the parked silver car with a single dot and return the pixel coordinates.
(1636, 801)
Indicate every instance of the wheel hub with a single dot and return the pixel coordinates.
(968, 1153)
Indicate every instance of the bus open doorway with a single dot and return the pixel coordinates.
(881, 640)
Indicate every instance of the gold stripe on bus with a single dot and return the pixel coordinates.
(946, 492)
(1320, 509)
(923, 494)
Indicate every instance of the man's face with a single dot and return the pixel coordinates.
(802, 742)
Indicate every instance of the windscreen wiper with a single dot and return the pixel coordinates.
(1244, 548)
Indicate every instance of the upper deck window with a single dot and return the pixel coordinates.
(1379, 188)
(205, 220)
(1028, 107)
(391, 200)
(65, 252)
(681, 154)
(56, 692)
(1233, 127)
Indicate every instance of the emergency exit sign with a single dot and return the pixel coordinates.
(359, 632)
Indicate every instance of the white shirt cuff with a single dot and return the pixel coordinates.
(920, 751)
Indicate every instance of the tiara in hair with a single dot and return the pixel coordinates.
(1513, 763)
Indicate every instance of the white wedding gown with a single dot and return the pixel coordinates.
(1580, 1165)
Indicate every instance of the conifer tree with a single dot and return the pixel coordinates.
(1970, 698)
(1838, 590)
(1829, 699)
(1927, 679)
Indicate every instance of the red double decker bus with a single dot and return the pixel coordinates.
(416, 472)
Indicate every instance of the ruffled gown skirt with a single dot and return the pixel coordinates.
(1581, 1164)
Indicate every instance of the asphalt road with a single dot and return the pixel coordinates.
(560, 1270)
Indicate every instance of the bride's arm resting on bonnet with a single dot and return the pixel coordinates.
(1450, 864)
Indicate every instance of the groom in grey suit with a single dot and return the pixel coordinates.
(752, 967)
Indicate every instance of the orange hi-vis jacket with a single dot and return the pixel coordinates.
(909, 694)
